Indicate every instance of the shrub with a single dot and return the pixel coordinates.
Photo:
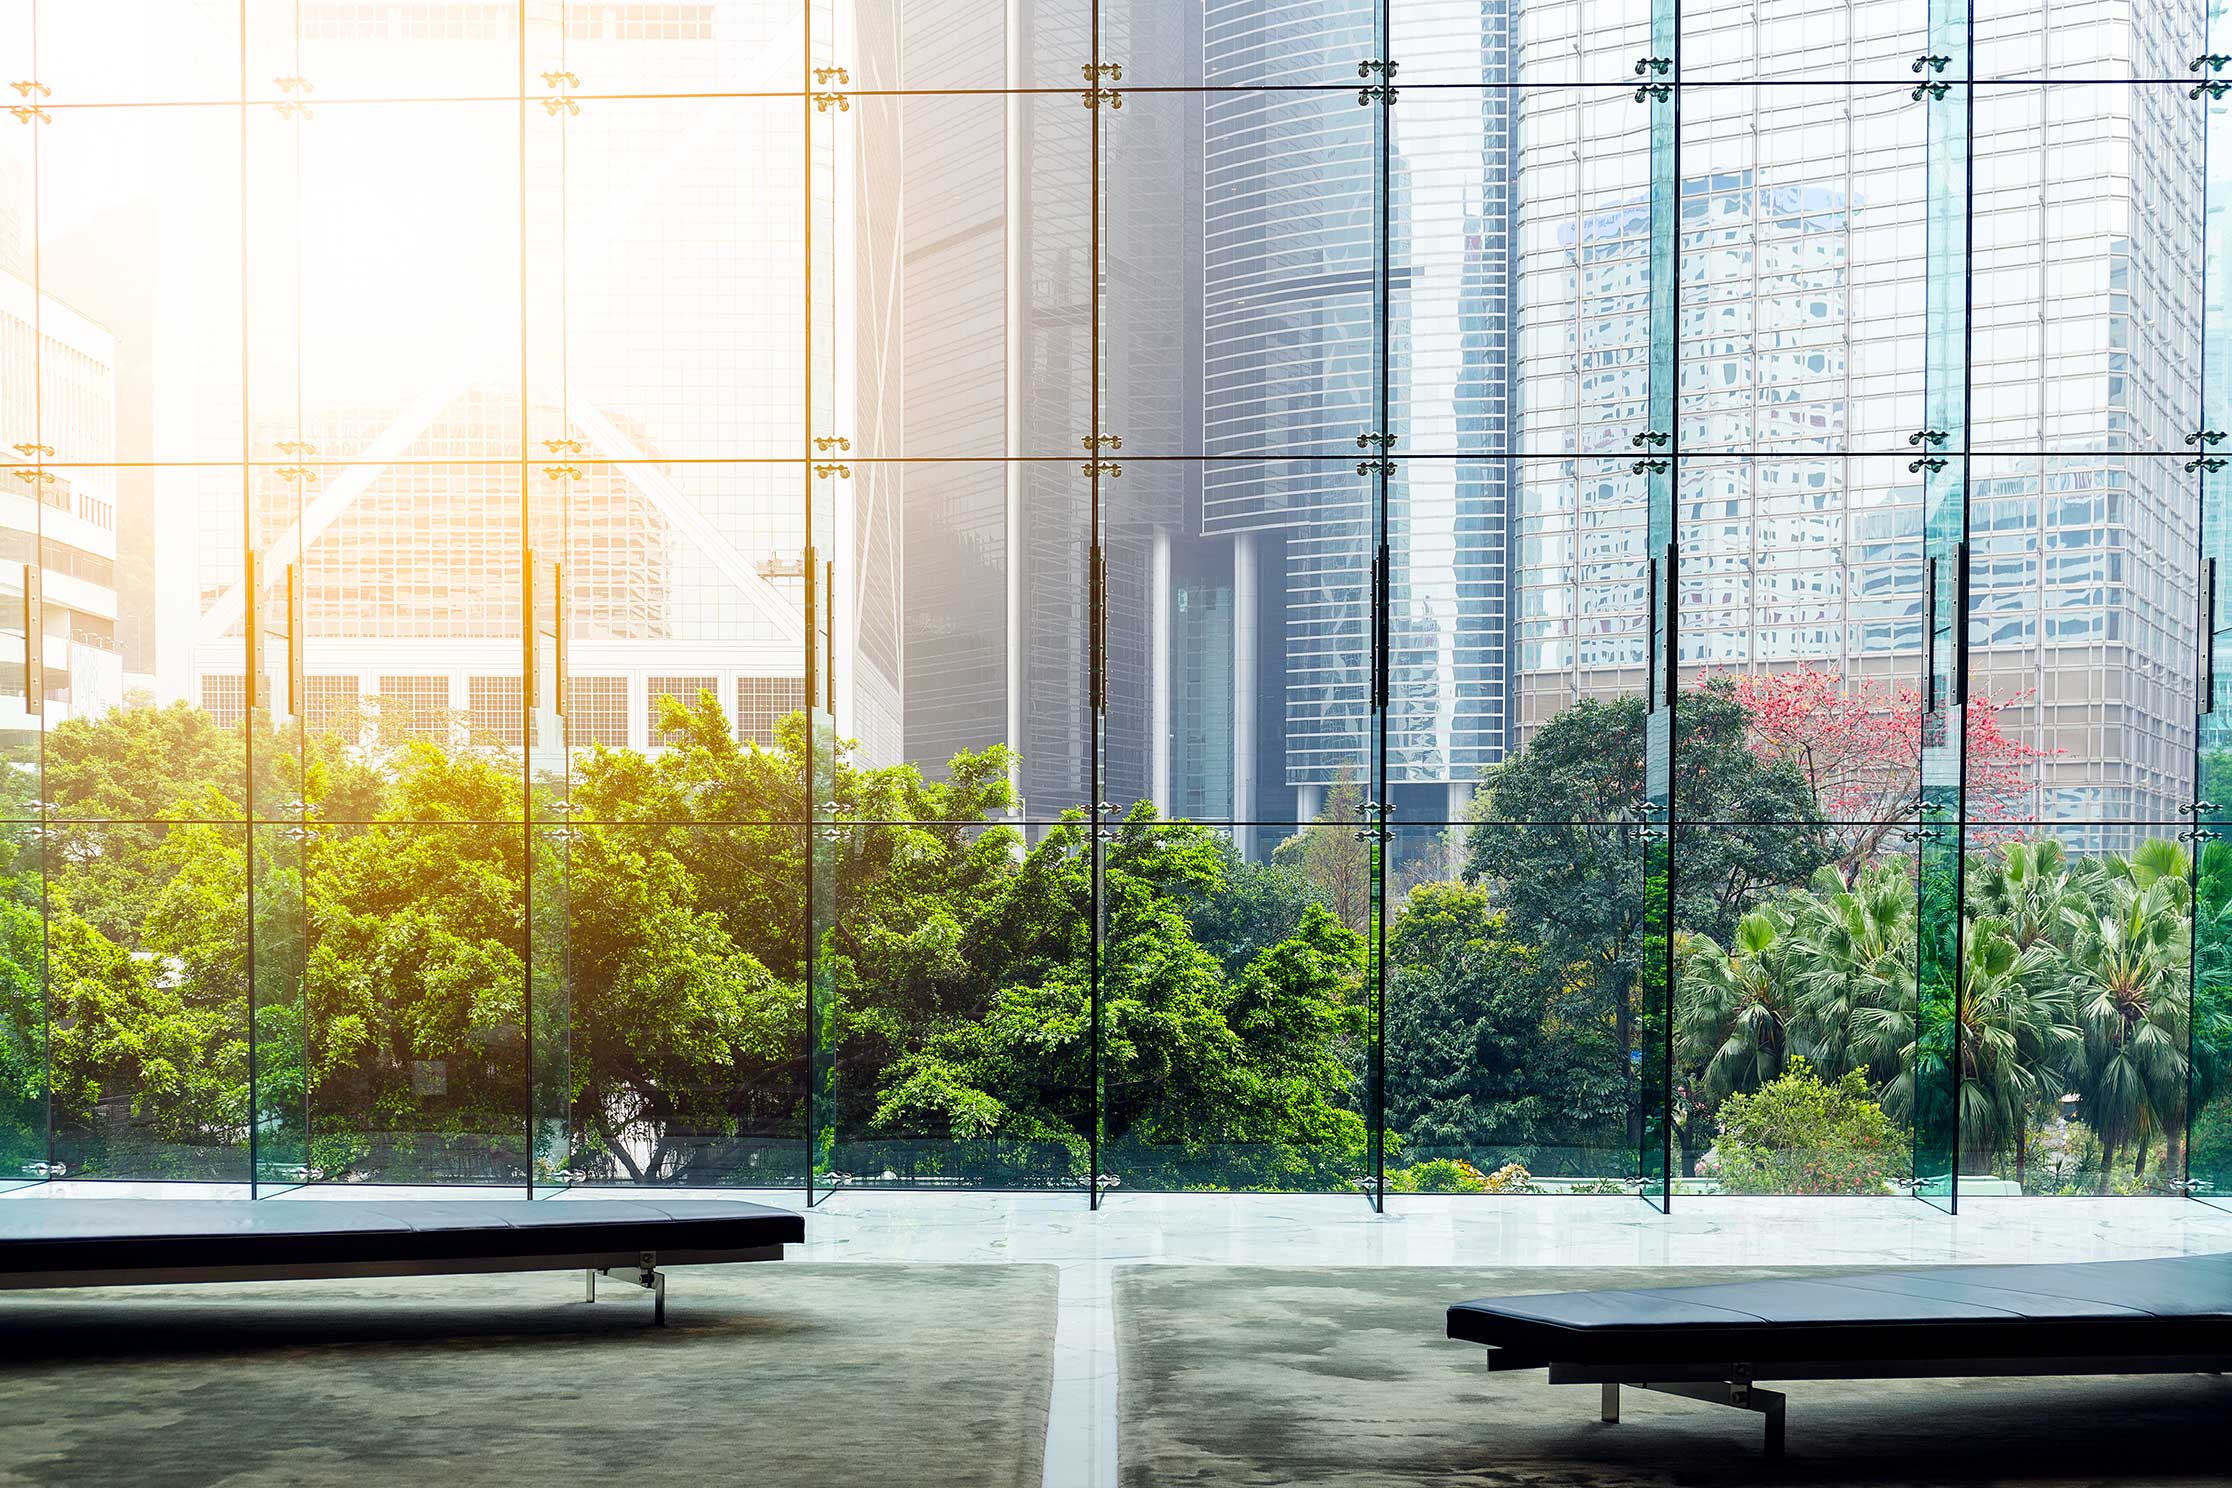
(1455, 1175)
(1798, 1134)
(1437, 1175)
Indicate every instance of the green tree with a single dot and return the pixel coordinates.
(1486, 1058)
(1801, 1134)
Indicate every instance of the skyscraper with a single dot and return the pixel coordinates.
(1801, 270)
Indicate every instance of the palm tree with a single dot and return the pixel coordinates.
(1851, 958)
(2015, 1038)
(1732, 1019)
(2128, 952)
(2027, 886)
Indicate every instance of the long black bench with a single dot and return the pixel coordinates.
(1713, 1343)
(123, 1242)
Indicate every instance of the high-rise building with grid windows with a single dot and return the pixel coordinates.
(1296, 345)
(1801, 353)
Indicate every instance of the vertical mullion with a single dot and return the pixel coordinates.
(34, 628)
(815, 1055)
(1379, 782)
(1097, 621)
(1942, 448)
(2209, 1036)
(253, 617)
(526, 598)
(1660, 445)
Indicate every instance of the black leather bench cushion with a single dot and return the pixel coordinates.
(2177, 1306)
(81, 1235)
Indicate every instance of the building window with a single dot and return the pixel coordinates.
(597, 712)
(330, 705)
(225, 699)
(413, 708)
(762, 703)
(493, 711)
(683, 690)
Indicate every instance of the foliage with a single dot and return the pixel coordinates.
(436, 987)
(1437, 1175)
(1454, 1175)
(1800, 1134)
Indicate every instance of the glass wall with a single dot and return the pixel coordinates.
(1380, 596)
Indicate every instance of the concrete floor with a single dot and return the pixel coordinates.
(1221, 1229)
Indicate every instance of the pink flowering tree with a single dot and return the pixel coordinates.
(1858, 742)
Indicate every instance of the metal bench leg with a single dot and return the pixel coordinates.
(1609, 1412)
(648, 1276)
(1737, 1391)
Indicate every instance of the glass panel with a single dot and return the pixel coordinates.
(134, 51)
(2083, 597)
(1801, 643)
(140, 260)
(1587, 263)
(1453, 333)
(1265, 962)
(613, 47)
(2088, 234)
(683, 595)
(979, 346)
(1802, 261)
(405, 308)
(1789, 41)
(1033, 44)
(21, 664)
(1515, 1031)
(1242, 43)
(147, 957)
(1273, 194)
(280, 1017)
(681, 280)
(1535, 44)
(25, 1152)
(2076, 40)
(327, 53)
(417, 986)
(953, 1001)
(1794, 1015)
(1239, 649)
(686, 1019)
(2076, 1010)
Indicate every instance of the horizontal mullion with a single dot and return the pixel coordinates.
(1252, 457)
(808, 94)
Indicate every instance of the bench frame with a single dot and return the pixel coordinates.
(1733, 1384)
(638, 1268)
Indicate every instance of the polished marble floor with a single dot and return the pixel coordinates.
(1219, 1229)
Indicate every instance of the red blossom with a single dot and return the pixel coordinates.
(1859, 744)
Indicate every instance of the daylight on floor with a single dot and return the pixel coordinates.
(1233, 684)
